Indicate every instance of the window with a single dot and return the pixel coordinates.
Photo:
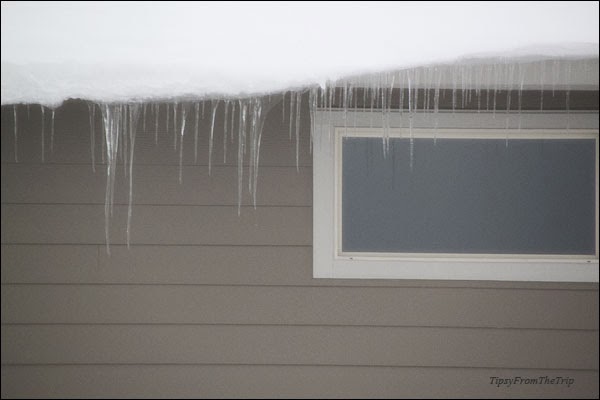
(472, 201)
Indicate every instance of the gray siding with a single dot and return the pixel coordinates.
(209, 304)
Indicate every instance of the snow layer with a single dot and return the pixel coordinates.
(111, 52)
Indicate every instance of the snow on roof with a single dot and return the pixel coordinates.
(124, 51)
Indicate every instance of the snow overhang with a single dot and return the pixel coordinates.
(121, 52)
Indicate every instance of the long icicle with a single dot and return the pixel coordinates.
(16, 133)
(110, 116)
(133, 111)
(313, 96)
(52, 130)
(410, 125)
(283, 107)
(167, 117)
(225, 119)
(181, 143)
(124, 139)
(232, 121)
(156, 110)
(256, 133)
(196, 129)
(292, 98)
(144, 107)
(298, 104)
(241, 149)
(215, 105)
(175, 126)
(43, 133)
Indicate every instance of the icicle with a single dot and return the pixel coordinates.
(298, 104)
(133, 119)
(330, 105)
(215, 105)
(468, 82)
(110, 116)
(324, 105)
(401, 101)
(175, 126)
(410, 126)
(283, 107)
(103, 149)
(454, 88)
(507, 121)
(196, 123)
(487, 87)
(257, 141)
(156, 111)
(92, 115)
(381, 97)
(373, 93)
(478, 87)
(52, 114)
(167, 117)
(120, 126)
(241, 150)
(225, 119)
(568, 94)
(416, 91)
(354, 106)
(181, 144)
(252, 129)
(509, 79)
(462, 76)
(364, 94)
(16, 133)
(255, 138)
(125, 145)
(520, 94)
(426, 89)
(292, 99)
(233, 103)
(496, 82)
(144, 106)
(542, 76)
(344, 107)
(313, 96)
(555, 74)
(383, 119)
(43, 133)
(252, 116)
(387, 112)
(436, 106)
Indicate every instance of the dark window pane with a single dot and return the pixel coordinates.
(469, 196)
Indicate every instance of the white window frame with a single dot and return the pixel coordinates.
(330, 262)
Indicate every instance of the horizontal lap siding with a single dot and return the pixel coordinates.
(206, 303)
(375, 306)
(78, 184)
(263, 381)
(305, 345)
(203, 265)
(164, 225)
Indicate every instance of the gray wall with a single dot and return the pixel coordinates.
(209, 304)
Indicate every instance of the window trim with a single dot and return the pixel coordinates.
(328, 262)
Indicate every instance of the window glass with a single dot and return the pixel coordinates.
(469, 196)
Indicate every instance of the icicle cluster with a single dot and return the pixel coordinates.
(475, 86)
(120, 127)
